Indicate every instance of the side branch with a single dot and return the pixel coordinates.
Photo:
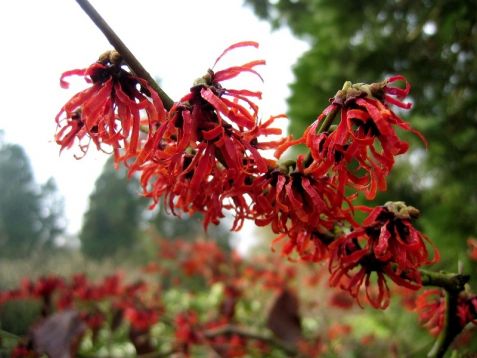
(232, 330)
(453, 284)
(450, 282)
(128, 57)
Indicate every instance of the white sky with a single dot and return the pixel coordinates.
(175, 40)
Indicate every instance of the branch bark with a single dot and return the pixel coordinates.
(136, 67)
(233, 330)
(445, 280)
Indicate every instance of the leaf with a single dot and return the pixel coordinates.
(284, 319)
(58, 335)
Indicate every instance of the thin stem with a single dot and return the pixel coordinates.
(328, 121)
(232, 330)
(128, 57)
(452, 326)
(146, 355)
(453, 284)
(325, 125)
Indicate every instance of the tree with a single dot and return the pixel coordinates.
(117, 215)
(112, 222)
(30, 215)
(53, 223)
(187, 228)
(434, 44)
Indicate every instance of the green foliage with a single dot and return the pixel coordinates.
(112, 221)
(16, 317)
(52, 209)
(433, 44)
(30, 215)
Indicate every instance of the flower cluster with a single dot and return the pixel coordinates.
(206, 155)
(143, 309)
(386, 244)
(109, 112)
(56, 294)
(431, 307)
(197, 297)
(302, 209)
(360, 150)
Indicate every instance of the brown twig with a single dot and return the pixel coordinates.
(445, 280)
(128, 57)
(234, 330)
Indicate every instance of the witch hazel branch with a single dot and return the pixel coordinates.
(205, 154)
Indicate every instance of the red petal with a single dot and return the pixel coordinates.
(76, 72)
(234, 46)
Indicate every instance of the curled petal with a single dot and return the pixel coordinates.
(234, 46)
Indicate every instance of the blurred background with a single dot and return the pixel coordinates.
(87, 216)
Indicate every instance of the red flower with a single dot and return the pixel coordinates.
(141, 318)
(360, 151)
(208, 148)
(44, 287)
(338, 330)
(111, 285)
(229, 346)
(11, 295)
(134, 289)
(312, 348)
(276, 280)
(467, 309)
(341, 300)
(186, 334)
(302, 208)
(472, 243)
(352, 266)
(108, 112)
(431, 307)
(94, 320)
(395, 238)
(23, 351)
(386, 244)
